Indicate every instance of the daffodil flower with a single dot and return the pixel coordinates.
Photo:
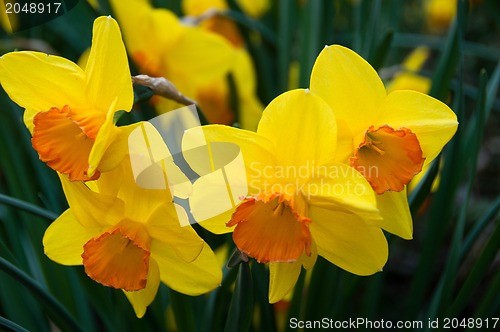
(409, 78)
(387, 137)
(70, 110)
(254, 8)
(215, 97)
(130, 238)
(439, 14)
(188, 56)
(299, 202)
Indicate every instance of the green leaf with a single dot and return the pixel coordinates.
(182, 306)
(59, 314)
(28, 207)
(240, 313)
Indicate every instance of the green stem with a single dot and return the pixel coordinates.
(60, 313)
(28, 207)
(11, 326)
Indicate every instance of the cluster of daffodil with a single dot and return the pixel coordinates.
(129, 238)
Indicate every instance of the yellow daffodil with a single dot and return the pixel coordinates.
(70, 110)
(254, 8)
(188, 56)
(408, 78)
(8, 22)
(387, 137)
(299, 202)
(214, 97)
(130, 238)
(439, 14)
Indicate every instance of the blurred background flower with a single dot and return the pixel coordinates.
(233, 62)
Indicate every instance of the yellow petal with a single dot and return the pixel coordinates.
(195, 278)
(416, 59)
(347, 241)
(244, 73)
(107, 134)
(91, 209)
(164, 225)
(64, 239)
(142, 27)
(141, 299)
(217, 224)
(282, 278)
(140, 203)
(250, 113)
(254, 8)
(118, 148)
(198, 58)
(212, 147)
(303, 130)
(409, 81)
(38, 81)
(338, 186)
(396, 217)
(107, 70)
(7, 22)
(432, 121)
(349, 85)
(198, 7)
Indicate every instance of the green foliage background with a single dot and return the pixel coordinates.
(449, 269)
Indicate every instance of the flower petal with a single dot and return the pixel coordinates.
(142, 28)
(164, 225)
(347, 241)
(395, 212)
(251, 112)
(313, 126)
(211, 148)
(55, 82)
(140, 203)
(195, 278)
(105, 137)
(107, 70)
(338, 186)
(432, 121)
(64, 239)
(106, 210)
(141, 299)
(270, 230)
(119, 257)
(350, 86)
(117, 150)
(388, 158)
(282, 278)
(217, 224)
(198, 58)
(62, 144)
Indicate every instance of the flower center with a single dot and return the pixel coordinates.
(270, 230)
(388, 158)
(64, 143)
(119, 257)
